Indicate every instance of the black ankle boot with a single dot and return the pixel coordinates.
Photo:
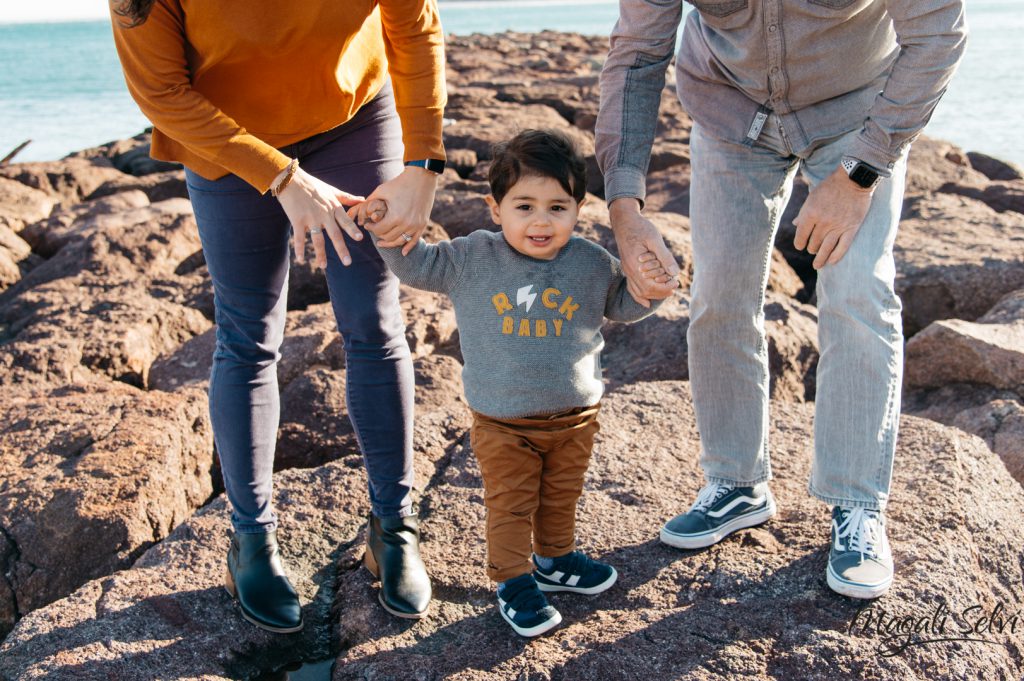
(256, 578)
(393, 555)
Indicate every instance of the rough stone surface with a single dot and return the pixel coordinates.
(955, 257)
(169, 615)
(710, 614)
(158, 186)
(77, 221)
(16, 257)
(955, 351)
(994, 168)
(109, 303)
(996, 416)
(21, 205)
(968, 375)
(93, 475)
(67, 181)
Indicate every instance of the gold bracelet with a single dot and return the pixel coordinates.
(292, 167)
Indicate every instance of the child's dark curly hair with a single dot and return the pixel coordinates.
(543, 153)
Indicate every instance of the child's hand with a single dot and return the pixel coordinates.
(368, 214)
(651, 268)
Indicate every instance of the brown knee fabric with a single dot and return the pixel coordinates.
(533, 471)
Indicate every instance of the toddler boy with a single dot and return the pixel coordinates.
(530, 301)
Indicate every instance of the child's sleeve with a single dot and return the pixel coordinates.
(620, 305)
(431, 267)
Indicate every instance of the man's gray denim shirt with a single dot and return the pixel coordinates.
(826, 67)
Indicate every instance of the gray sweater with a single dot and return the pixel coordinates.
(530, 329)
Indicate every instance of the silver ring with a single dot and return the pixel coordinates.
(316, 230)
(407, 236)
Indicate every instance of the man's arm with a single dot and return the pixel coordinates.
(932, 36)
(632, 79)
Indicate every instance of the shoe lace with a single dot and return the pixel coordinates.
(708, 495)
(863, 530)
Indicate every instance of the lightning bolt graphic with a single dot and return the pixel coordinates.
(524, 295)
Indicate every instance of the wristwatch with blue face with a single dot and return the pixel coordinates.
(434, 165)
(861, 173)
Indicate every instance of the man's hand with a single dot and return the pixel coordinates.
(830, 218)
(640, 245)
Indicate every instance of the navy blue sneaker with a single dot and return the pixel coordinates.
(719, 511)
(859, 557)
(576, 573)
(525, 608)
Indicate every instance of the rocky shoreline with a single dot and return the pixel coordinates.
(112, 528)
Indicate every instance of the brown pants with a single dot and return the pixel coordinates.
(533, 472)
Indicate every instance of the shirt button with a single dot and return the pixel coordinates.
(772, 28)
(775, 69)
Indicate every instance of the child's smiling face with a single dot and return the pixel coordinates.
(536, 215)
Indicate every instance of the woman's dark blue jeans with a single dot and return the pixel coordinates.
(246, 239)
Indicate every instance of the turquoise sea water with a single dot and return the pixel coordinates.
(61, 86)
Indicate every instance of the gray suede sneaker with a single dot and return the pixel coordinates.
(859, 559)
(719, 511)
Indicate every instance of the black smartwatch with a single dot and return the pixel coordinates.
(861, 173)
(434, 165)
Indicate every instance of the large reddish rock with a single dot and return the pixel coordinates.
(77, 221)
(67, 181)
(955, 351)
(955, 257)
(16, 257)
(989, 351)
(158, 186)
(21, 205)
(460, 208)
(711, 614)
(92, 476)
(169, 616)
(996, 416)
(971, 376)
(109, 302)
(481, 126)
(994, 168)
(935, 165)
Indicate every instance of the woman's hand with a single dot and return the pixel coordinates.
(316, 207)
(408, 199)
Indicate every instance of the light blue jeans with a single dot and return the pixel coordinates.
(737, 197)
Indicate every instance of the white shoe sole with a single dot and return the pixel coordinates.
(589, 591)
(853, 590)
(700, 541)
(530, 632)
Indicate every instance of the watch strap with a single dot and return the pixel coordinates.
(434, 165)
(861, 173)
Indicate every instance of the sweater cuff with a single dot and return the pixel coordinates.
(253, 160)
(422, 134)
(625, 182)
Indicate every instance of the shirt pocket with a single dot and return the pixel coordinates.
(723, 13)
(833, 4)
